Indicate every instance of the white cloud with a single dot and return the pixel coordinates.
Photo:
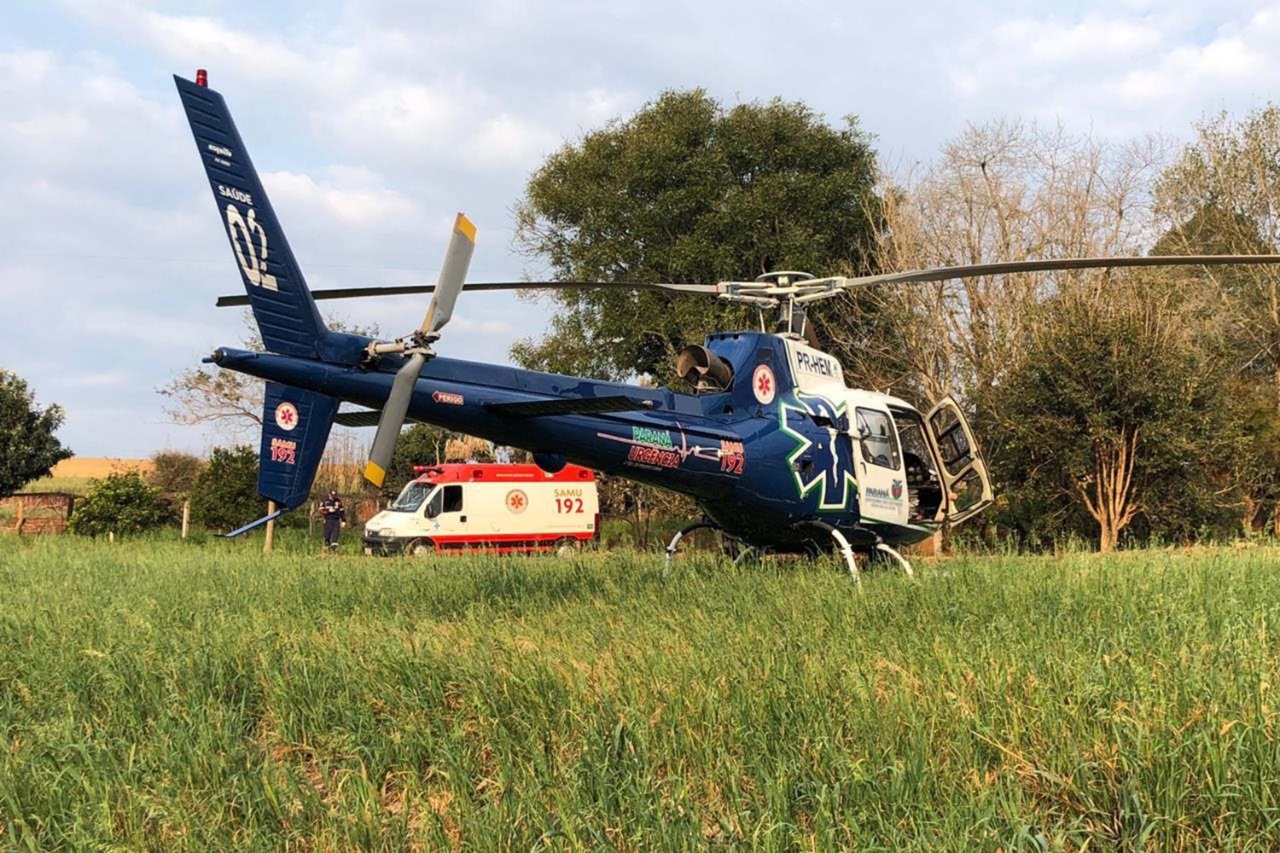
(351, 196)
(130, 326)
(1129, 69)
(506, 141)
(409, 115)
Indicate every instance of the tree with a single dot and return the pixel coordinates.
(225, 496)
(1223, 195)
(688, 191)
(28, 448)
(1000, 191)
(1228, 179)
(121, 504)
(425, 444)
(1115, 411)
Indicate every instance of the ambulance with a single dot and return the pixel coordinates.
(488, 507)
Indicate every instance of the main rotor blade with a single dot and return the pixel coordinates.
(408, 289)
(392, 419)
(456, 260)
(973, 270)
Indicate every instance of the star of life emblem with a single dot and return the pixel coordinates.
(763, 384)
(286, 416)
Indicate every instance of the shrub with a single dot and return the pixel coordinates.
(225, 495)
(122, 504)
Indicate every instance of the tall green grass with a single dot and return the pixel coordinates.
(168, 696)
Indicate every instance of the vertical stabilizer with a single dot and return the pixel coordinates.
(295, 428)
(286, 314)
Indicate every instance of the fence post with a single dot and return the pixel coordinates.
(17, 528)
(271, 529)
(186, 517)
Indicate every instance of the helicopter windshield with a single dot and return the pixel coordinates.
(412, 497)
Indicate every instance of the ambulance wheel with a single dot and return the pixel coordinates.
(419, 547)
(566, 547)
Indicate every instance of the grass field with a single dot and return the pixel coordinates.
(173, 696)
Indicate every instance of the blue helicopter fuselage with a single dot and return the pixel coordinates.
(759, 470)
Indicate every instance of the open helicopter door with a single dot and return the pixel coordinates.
(963, 471)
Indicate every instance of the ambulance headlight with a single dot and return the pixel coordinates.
(387, 532)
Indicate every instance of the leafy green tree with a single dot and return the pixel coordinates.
(121, 504)
(28, 448)
(420, 444)
(1117, 414)
(688, 191)
(226, 492)
(1234, 306)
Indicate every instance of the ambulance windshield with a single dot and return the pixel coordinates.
(412, 497)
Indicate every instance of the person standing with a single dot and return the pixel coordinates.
(335, 513)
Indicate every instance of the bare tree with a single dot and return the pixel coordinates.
(231, 401)
(999, 191)
(1231, 173)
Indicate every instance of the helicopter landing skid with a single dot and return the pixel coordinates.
(684, 531)
(842, 545)
(894, 555)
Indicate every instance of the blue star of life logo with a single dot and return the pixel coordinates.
(832, 474)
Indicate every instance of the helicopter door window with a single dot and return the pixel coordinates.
(952, 441)
(924, 488)
(878, 439)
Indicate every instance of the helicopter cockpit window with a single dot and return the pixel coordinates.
(878, 439)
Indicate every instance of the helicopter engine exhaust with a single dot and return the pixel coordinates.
(705, 371)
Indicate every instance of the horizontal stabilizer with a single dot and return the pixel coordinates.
(569, 406)
(358, 418)
(364, 418)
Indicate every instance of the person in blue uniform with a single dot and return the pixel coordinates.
(334, 512)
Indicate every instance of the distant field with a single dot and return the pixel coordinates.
(77, 474)
(164, 695)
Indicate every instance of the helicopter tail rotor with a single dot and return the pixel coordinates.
(418, 347)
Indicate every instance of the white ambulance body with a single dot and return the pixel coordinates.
(496, 508)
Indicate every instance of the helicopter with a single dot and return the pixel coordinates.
(777, 451)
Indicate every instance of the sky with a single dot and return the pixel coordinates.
(374, 122)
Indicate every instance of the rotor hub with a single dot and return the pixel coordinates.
(784, 278)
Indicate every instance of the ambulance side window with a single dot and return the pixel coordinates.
(432, 509)
(453, 498)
